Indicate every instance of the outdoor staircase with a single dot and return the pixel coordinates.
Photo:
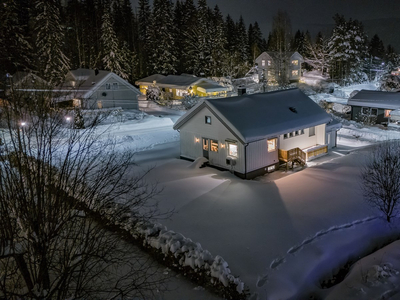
(295, 155)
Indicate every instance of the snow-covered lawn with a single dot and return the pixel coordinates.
(283, 233)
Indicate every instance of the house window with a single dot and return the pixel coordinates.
(291, 134)
(99, 104)
(108, 86)
(272, 144)
(285, 136)
(311, 131)
(115, 86)
(269, 73)
(181, 93)
(263, 63)
(295, 62)
(297, 132)
(214, 146)
(295, 73)
(302, 131)
(369, 111)
(269, 63)
(232, 149)
(208, 120)
(374, 111)
(205, 144)
(387, 113)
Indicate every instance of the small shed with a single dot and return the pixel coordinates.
(373, 107)
(252, 134)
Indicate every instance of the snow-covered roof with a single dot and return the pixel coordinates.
(259, 116)
(81, 83)
(209, 87)
(378, 99)
(150, 79)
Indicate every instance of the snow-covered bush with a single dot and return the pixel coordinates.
(189, 101)
(153, 93)
(179, 252)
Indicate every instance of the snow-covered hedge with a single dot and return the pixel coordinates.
(179, 252)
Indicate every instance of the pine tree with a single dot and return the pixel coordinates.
(52, 63)
(347, 51)
(255, 41)
(143, 36)
(113, 58)
(162, 48)
(218, 43)
(14, 45)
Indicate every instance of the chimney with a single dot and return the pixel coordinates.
(96, 72)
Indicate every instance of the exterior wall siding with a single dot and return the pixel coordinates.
(259, 157)
(356, 115)
(196, 129)
(304, 140)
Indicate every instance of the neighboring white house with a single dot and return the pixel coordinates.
(252, 134)
(98, 89)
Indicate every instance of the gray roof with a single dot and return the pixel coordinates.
(150, 79)
(378, 99)
(259, 116)
(178, 81)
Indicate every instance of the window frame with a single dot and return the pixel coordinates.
(229, 149)
(274, 143)
(311, 131)
(214, 145)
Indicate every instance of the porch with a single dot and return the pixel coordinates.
(301, 156)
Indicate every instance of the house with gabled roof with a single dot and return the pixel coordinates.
(270, 64)
(253, 134)
(97, 89)
(374, 107)
(175, 87)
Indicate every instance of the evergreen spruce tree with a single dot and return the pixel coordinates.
(218, 43)
(162, 48)
(113, 58)
(52, 63)
(348, 51)
(144, 17)
(255, 42)
(14, 45)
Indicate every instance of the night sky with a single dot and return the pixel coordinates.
(313, 15)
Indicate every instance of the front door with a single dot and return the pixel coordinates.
(206, 147)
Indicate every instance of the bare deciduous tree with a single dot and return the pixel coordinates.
(381, 179)
(52, 178)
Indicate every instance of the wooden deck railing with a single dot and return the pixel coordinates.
(292, 155)
(317, 152)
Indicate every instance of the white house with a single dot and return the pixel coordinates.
(252, 134)
(98, 89)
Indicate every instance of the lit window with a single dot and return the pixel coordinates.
(208, 120)
(311, 131)
(263, 63)
(272, 144)
(181, 93)
(214, 146)
(232, 150)
(295, 62)
(115, 86)
(205, 144)
(269, 63)
(387, 113)
(295, 72)
(108, 86)
(285, 136)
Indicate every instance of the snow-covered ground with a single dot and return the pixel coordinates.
(283, 233)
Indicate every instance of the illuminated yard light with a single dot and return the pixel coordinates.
(68, 118)
(23, 123)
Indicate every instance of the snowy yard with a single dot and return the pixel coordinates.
(284, 234)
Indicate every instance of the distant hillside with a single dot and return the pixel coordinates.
(386, 29)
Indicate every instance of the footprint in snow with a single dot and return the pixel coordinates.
(277, 262)
(262, 281)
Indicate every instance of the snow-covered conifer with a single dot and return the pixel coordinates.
(52, 63)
